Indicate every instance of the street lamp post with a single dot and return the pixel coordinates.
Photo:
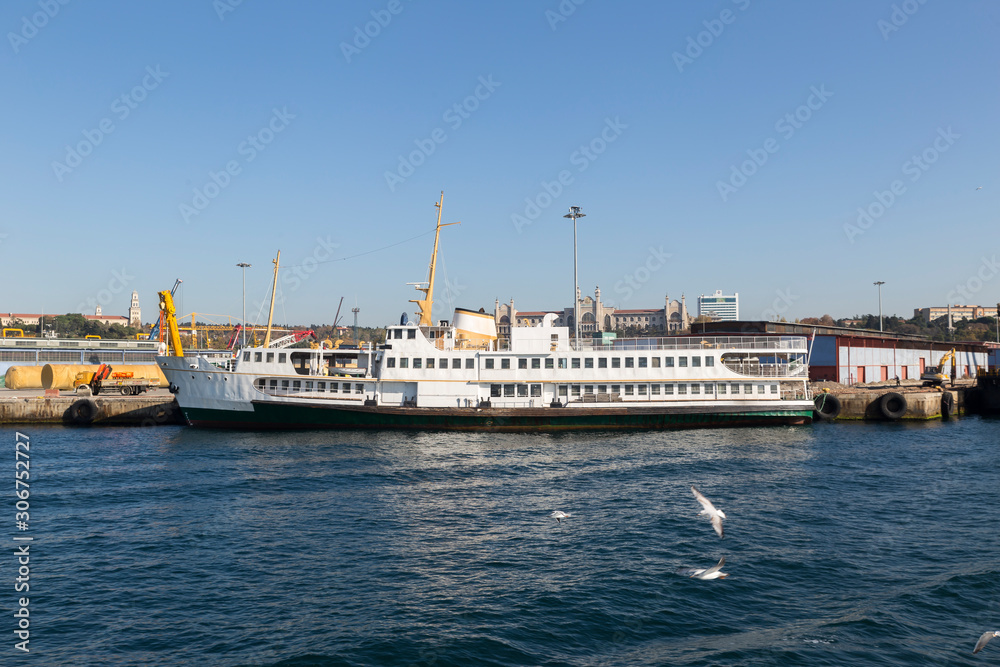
(243, 329)
(574, 213)
(879, 284)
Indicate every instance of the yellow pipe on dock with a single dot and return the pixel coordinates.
(23, 377)
(61, 376)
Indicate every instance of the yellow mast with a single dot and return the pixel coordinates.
(270, 312)
(425, 305)
(170, 316)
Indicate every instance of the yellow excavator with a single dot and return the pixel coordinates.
(933, 376)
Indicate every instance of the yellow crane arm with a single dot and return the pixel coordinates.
(170, 317)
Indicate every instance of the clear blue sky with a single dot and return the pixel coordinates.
(331, 113)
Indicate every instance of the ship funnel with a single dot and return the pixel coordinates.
(474, 330)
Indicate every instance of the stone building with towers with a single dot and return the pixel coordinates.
(134, 313)
(596, 316)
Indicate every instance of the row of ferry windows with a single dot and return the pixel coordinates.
(576, 390)
(563, 362)
(310, 385)
(257, 356)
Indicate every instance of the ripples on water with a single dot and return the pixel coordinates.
(867, 544)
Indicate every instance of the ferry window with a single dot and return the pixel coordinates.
(418, 362)
(508, 390)
(588, 362)
(774, 389)
(549, 362)
(505, 363)
(642, 362)
(642, 390)
(320, 386)
(629, 362)
(256, 356)
(522, 363)
(333, 387)
(270, 357)
(273, 384)
(668, 362)
(522, 391)
(411, 334)
(655, 362)
(455, 363)
(668, 389)
(721, 388)
(576, 391)
(682, 389)
(489, 363)
(654, 389)
(359, 389)
(397, 333)
(629, 390)
(309, 385)
(258, 383)
(695, 388)
(760, 389)
(696, 362)
(616, 389)
(494, 391)
(562, 362)
(536, 363)
(616, 362)
(602, 389)
(282, 357)
(710, 361)
(246, 356)
(735, 387)
(682, 362)
(576, 362)
(602, 362)
(284, 385)
(430, 362)
(296, 385)
(390, 362)
(536, 390)
(404, 362)
(588, 389)
(470, 363)
(563, 390)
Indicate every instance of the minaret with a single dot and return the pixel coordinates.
(134, 313)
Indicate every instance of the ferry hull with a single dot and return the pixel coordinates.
(271, 415)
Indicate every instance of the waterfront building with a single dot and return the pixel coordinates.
(957, 313)
(720, 307)
(134, 312)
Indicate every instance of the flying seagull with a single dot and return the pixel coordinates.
(713, 572)
(716, 516)
(980, 187)
(984, 640)
(559, 516)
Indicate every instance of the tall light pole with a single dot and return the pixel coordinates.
(574, 213)
(243, 328)
(879, 284)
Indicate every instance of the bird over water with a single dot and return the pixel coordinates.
(559, 516)
(714, 572)
(984, 640)
(714, 515)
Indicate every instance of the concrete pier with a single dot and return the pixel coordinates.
(34, 407)
(876, 404)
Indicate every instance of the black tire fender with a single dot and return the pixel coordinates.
(83, 412)
(947, 405)
(827, 407)
(892, 405)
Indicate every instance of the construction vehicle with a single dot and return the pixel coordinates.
(933, 376)
(104, 379)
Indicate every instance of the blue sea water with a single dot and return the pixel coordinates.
(846, 544)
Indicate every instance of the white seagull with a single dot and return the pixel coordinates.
(984, 640)
(714, 515)
(714, 572)
(980, 187)
(559, 516)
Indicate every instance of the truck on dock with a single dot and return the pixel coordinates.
(104, 379)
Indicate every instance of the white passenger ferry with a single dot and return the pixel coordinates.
(459, 375)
